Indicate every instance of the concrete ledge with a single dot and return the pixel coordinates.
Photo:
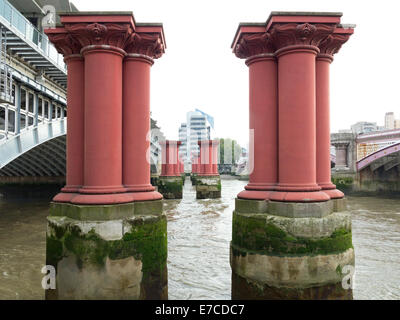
(251, 206)
(294, 271)
(308, 228)
(105, 212)
(300, 209)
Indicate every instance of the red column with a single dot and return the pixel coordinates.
(263, 113)
(206, 157)
(297, 117)
(164, 158)
(177, 169)
(297, 133)
(75, 102)
(195, 162)
(215, 144)
(201, 158)
(323, 140)
(136, 122)
(103, 126)
(169, 158)
(328, 48)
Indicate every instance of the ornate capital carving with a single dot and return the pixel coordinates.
(65, 43)
(145, 44)
(110, 34)
(254, 44)
(332, 44)
(283, 35)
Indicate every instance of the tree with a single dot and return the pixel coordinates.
(229, 151)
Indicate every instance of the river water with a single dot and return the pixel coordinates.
(199, 232)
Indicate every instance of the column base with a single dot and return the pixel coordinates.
(299, 196)
(208, 187)
(282, 250)
(108, 252)
(139, 188)
(170, 187)
(105, 199)
(334, 193)
(64, 196)
(254, 195)
(71, 189)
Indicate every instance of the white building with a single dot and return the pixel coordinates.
(389, 120)
(364, 127)
(196, 128)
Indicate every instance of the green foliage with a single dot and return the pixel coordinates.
(147, 241)
(229, 151)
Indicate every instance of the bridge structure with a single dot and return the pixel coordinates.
(33, 105)
(33, 110)
(371, 160)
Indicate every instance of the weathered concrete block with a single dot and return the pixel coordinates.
(291, 271)
(251, 206)
(122, 258)
(290, 251)
(339, 205)
(208, 187)
(300, 209)
(170, 187)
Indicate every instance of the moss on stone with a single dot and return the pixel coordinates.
(146, 241)
(261, 236)
(54, 251)
(171, 187)
(343, 183)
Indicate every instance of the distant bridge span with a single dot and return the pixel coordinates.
(36, 151)
(388, 156)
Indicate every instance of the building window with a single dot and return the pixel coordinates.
(2, 118)
(23, 100)
(54, 112)
(11, 121)
(46, 110)
(30, 104)
(40, 107)
(22, 121)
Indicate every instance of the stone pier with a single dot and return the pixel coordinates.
(170, 183)
(291, 234)
(208, 180)
(107, 233)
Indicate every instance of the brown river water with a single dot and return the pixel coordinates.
(199, 232)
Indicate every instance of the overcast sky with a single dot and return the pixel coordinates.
(199, 69)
